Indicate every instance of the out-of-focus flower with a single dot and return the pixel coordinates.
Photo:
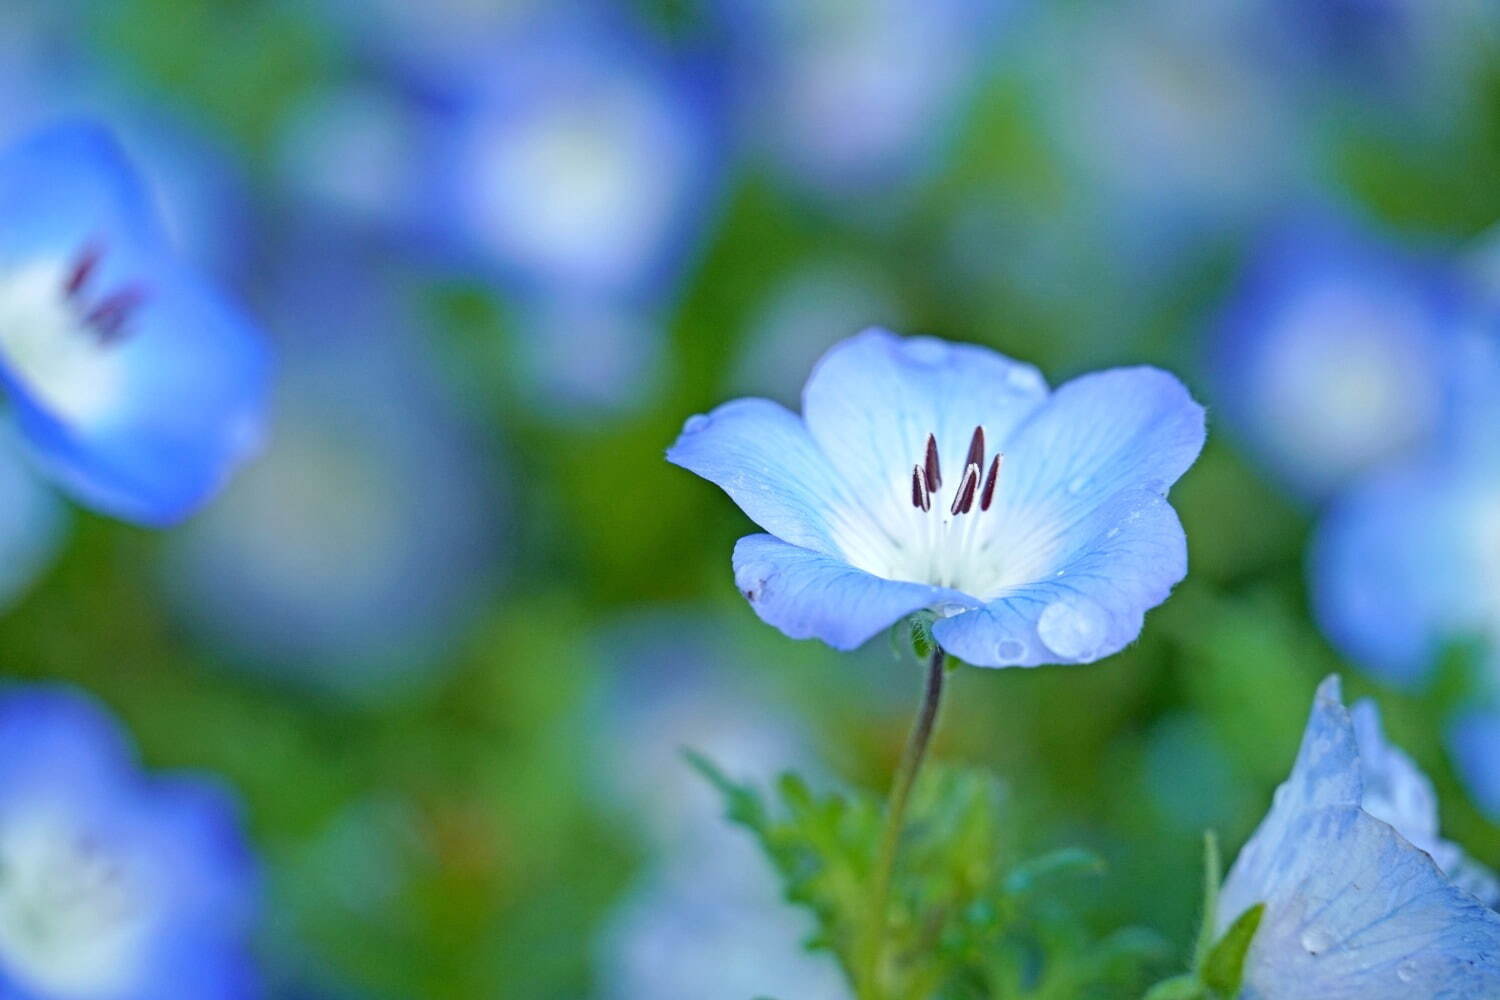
(136, 387)
(116, 885)
(852, 99)
(806, 313)
(887, 496)
(363, 533)
(1408, 560)
(582, 158)
(1474, 744)
(704, 918)
(1355, 905)
(1330, 356)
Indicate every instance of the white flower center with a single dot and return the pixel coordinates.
(954, 532)
(56, 328)
(71, 919)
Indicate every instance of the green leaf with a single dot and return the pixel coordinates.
(1225, 966)
(1185, 987)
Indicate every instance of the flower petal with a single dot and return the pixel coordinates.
(1130, 553)
(189, 393)
(873, 399)
(760, 453)
(809, 595)
(149, 419)
(1353, 910)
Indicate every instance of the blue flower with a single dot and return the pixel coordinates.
(1408, 560)
(136, 387)
(365, 530)
(581, 158)
(887, 496)
(1363, 899)
(1330, 356)
(1474, 744)
(117, 885)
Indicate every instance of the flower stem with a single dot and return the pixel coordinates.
(869, 984)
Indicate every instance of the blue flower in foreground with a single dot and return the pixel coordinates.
(136, 387)
(1363, 899)
(1329, 358)
(887, 496)
(113, 885)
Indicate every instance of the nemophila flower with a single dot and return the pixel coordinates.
(857, 98)
(1362, 898)
(704, 917)
(365, 530)
(1407, 561)
(1474, 745)
(114, 885)
(929, 475)
(1329, 357)
(582, 157)
(136, 386)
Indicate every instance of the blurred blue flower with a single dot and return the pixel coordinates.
(117, 886)
(1408, 560)
(364, 531)
(704, 917)
(883, 498)
(583, 157)
(1474, 745)
(1356, 905)
(854, 99)
(1330, 356)
(136, 387)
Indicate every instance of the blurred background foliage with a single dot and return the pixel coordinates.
(448, 636)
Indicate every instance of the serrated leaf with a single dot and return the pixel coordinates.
(742, 803)
(1225, 966)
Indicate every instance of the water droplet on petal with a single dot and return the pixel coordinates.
(696, 422)
(1406, 971)
(1078, 484)
(1316, 940)
(1024, 379)
(1073, 628)
(1010, 651)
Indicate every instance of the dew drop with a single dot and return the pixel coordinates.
(1316, 940)
(1024, 379)
(1010, 651)
(696, 422)
(1073, 628)
(1078, 484)
(1406, 971)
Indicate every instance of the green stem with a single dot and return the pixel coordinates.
(873, 944)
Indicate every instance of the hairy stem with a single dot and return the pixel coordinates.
(872, 947)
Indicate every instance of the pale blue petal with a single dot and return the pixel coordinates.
(809, 595)
(760, 453)
(1353, 910)
(1130, 553)
(873, 399)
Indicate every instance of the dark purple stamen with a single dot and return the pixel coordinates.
(918, 493)
(988, 496)
(964, 501)
(976, 450)
(934, 471)
(83, 268)
(109, 317)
